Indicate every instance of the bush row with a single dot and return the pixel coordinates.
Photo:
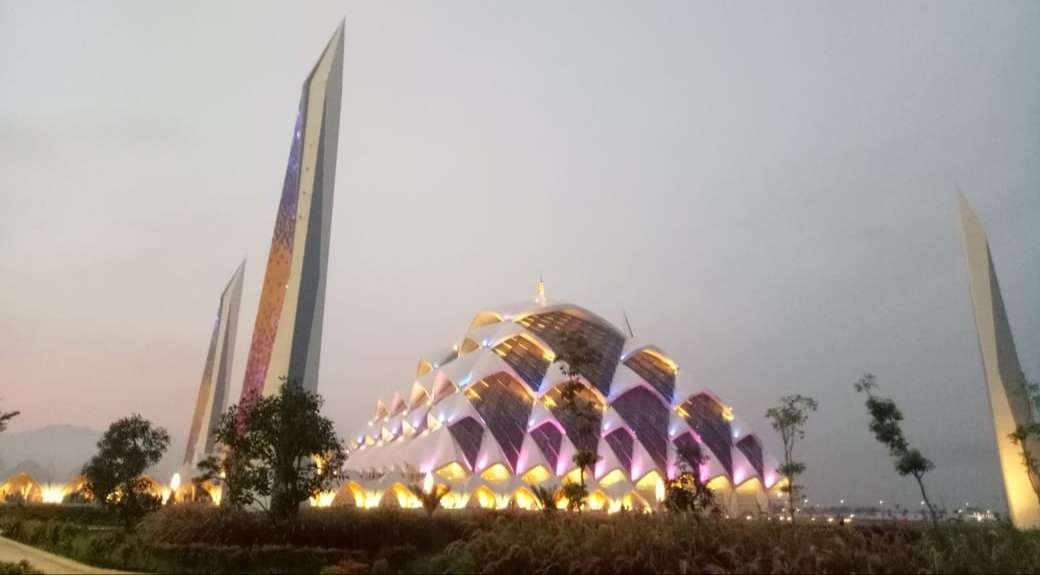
(333, 528)
(119, 549)
(81, 514)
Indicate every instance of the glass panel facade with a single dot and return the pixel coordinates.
(583, 434)
(705, 416)
(688, 450)
(548, 439)
(552, 326)
(657, 373)
(526, 358)
(467, 433)
(643, 411)
(504, 405)
(620, 441)
(752, 450)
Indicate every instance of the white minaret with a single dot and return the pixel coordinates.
(1008, 398)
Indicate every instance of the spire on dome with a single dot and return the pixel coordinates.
(540, 300)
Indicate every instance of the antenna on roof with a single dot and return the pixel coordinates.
(628, 325)
(540, 300)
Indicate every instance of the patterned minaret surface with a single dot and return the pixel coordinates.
(1008, 397)
(213, 391)
(287, 336)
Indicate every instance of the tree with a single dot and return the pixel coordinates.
(115, 475)
(278, 446)
(430, 499)
(789, 418)
(577, 357)
(686, 492)
(546, 497)
(576, 494)
(885, 423)
(6, 416)
(1027, 436)
(237, 467)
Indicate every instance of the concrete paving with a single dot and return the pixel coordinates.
(13, 552)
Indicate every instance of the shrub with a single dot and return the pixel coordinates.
(20, 568)
(331, 528)
(80, 514)
(260, 559)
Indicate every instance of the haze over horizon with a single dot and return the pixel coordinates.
(767, 191)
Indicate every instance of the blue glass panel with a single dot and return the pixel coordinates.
(752, 450)
(548, 439)
(705, 416)
(504, 405)
(620, 442)
(526, 358)
(553, 326)
(688, 450)
(468, 433)
(655, 372)
(583, 433)
(643, 411)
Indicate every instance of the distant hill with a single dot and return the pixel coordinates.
(56, 453)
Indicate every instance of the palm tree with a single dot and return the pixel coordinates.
(430, 499)
(546, 497)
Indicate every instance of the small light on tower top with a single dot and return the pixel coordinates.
(540, 300)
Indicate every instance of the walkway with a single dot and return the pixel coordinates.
(13, 552)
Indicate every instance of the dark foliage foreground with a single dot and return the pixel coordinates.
(664, 543)
(198, 539)
(20, 568)
(333, 528)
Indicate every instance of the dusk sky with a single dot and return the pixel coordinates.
(767, 189)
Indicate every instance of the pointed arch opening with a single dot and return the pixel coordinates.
(536, 474)
(484, 318)
(468, 346)
(452, 472)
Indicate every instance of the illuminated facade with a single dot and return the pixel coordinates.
(213, 391)
(485, 420)
(287, 336)
(1008, 397)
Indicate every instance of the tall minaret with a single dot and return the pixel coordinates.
(213, 391)
(287, 335)
(1008, 397)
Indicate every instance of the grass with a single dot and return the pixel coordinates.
(193, 539)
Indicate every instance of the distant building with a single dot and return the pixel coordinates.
(485, 419)
(213, 391)
(287, 334)
(1008, 397)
